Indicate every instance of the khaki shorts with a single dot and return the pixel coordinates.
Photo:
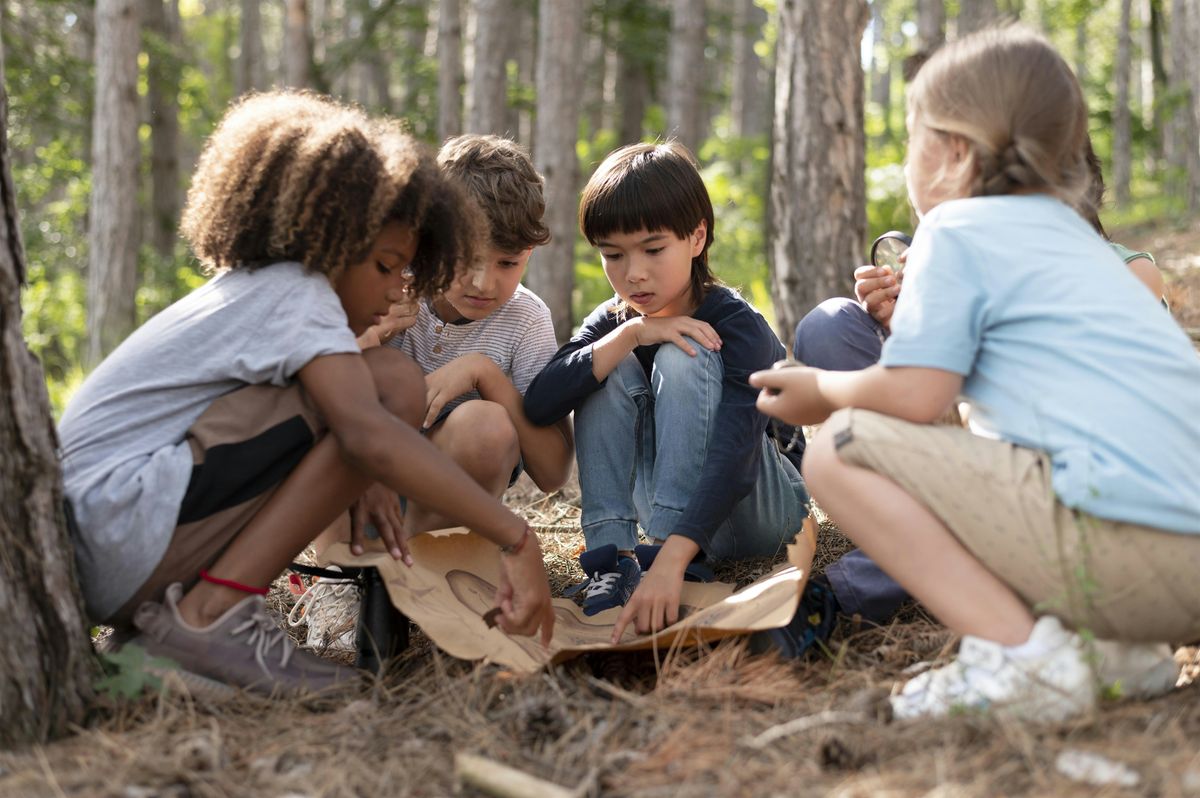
(243, 447)
(1120, 581)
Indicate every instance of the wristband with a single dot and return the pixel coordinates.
(515, 548)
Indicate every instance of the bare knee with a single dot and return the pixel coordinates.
(399, 382)
(482, 438)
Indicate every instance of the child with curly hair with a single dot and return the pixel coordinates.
(224, 434)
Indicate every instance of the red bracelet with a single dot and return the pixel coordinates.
(515, 548)
(229, 583)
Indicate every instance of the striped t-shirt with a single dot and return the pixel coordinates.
(518, 337)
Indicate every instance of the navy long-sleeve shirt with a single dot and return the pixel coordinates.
(731, 468)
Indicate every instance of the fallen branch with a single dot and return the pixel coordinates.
(502, 781)
(808, 722)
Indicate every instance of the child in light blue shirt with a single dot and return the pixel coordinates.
(1071, 510)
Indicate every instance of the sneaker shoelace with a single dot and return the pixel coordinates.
(602, 583)
(264, 635)
(323, 599)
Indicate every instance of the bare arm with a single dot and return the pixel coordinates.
(546, 451)
(1145, 270)
(809, 396)
(385, 449)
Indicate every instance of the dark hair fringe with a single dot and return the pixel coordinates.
(650, 187)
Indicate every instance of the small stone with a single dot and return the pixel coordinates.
(1095, 769)
(1190, 782)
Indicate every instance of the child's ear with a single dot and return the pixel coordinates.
(698, 237)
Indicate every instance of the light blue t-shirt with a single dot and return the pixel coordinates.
(1062, 349)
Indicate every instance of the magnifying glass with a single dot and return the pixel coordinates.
(887, 249)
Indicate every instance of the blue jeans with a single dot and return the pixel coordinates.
(641, 444)
(838, 335)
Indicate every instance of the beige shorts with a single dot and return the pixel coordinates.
(243, 447)
(1120, 581)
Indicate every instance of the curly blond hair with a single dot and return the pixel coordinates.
(296, 176)
(500, 178)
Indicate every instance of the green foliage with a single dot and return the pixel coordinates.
(127, 673)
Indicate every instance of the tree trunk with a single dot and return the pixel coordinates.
(746, 85)
(559, 79)
(450, 69)
(487, 92)
(250, 75)
(931, 25)
(1081, 52)
(1185, 152)
(113, 234)
(633, 79)
(881, 69)
(162, 18)
(686, 72)
(522, 49)
(45, 655)
(1158, 72)
(817, 191)
(297, 45)
(417, 17)
(596, 49)
(1122, 157)
(976, 15)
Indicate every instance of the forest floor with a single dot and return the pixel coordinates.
(680, 725)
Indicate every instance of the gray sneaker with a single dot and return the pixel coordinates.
(243, 648)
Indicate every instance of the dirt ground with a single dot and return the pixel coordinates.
(634, 725)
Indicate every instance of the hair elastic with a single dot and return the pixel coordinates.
(229, 583)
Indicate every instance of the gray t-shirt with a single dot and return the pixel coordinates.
(126, 463)
(518, 337)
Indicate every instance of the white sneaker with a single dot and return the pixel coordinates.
(1051, 686)
(330, 608)
(1135, 670)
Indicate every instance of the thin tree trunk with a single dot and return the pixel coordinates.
(817, 191)
(1081, 51)
(686, 72)
(523, 52)
(162, 18)
(487, 92)
(45, 655)
(931, 25)
(250, 74)
(559, 80)
(1158, 71)
(450, 69)
(746, 85)
(297, 50)
(1185, 152)
(113, 234)
(633, 79)
(596, 47)
(1122, 137)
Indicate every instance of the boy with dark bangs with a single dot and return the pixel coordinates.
(195, 457)
(480, 342)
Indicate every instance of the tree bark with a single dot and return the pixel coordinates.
(45, 656)
(297, 45)
(1081, 51)
(1122, 127)
(559, 79)
(633, 77)
(746, 110)
(1158, 72)
(162, 18)
(931, 25)
(1184, 153)
(250, 74)
(487, 92)
(817, 190)
(450, 69)
(113, 234)
(686, 72)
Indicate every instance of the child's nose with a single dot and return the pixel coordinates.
(478, 276)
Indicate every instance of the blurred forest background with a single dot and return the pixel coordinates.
(795, 109)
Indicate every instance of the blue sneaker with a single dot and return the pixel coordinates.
(809, 628)
(696, 571)
(611, 579)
